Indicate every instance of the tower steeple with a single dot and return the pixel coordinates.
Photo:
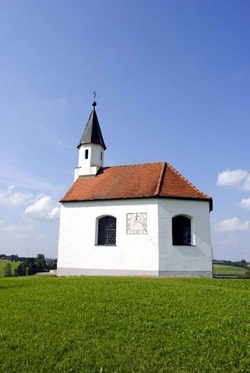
(91, 147)
(92, 133)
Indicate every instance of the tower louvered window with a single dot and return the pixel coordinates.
(107, 231)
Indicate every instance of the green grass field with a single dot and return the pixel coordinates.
(97, 324)
(3, 264)
(219, 269)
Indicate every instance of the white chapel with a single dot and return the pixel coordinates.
(132, 220)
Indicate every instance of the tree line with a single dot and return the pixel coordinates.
(240, 263)
(28, 265)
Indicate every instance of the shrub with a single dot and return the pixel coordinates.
(247, 274)
(8, 270)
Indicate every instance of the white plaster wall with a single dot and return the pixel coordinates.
(94, 158)
(91, 165)
(77, 237)
(195, 258)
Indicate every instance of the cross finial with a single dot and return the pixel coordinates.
(94, 103)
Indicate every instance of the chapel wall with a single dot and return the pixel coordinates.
(134, 254)
(194, 260)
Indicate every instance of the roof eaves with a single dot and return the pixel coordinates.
(106, 199)
(210, 201)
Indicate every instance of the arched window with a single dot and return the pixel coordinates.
(181, 230)
(86, 154)
(107, 231)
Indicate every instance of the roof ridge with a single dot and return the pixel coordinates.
(153, 180)
(134, 164)
(192, 185)
(160, 181)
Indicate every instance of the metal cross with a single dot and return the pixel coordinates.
(94, 93)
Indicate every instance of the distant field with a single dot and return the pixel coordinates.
(124, 325)
(3, 264)
(219, 269)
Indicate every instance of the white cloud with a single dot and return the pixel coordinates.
(246, 184)
(10, 198)
(245, 203)
(43, 209)
(15, 230)
(232, 225)
(55, 213)
(234, 178)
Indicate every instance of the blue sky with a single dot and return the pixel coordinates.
(173, 84)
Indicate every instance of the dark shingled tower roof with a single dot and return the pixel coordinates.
(92, 133)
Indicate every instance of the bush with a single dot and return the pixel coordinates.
(247, 274)
(20, 270)
(8, 270)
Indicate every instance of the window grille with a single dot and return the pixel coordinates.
(107, 231)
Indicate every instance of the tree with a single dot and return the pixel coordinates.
(30, 266)
(51, 264)
(14, 258)
(32, 270)
(243, 263)
(40, 263)
(8, 270)
(21, 269)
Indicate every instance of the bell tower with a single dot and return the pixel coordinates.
(91, 148)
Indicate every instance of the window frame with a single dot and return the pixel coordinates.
(191, 232)
(97, 240)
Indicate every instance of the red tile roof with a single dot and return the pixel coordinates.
(134, 181)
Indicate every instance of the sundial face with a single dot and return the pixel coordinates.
(136, 223)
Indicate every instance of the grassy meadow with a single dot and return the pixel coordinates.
(97, 324)
(3, 264)
(219, 269)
